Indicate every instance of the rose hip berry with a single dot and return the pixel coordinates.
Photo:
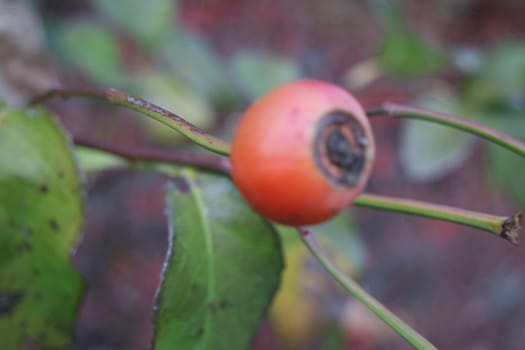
(302, 152)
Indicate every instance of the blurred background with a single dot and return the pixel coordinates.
(206, 60)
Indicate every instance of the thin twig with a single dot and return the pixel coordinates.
(502, 226)
(162, 115)
(398, 325)
(134, 154)
(402, 111)
(505, 227)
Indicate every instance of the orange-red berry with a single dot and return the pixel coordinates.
(302, 152)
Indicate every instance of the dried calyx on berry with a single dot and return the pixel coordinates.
(340, 148)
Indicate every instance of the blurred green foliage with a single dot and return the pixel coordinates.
(257, 72)
(403, 50)
(172, 66)
(429, 151)
(91, 48)
(504, 169)
(147, 21)
(491, 91)
(496, 91)
(500, 79)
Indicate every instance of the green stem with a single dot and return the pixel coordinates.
(402, 111)
(504, 227)
(172, 120)
(403, 329)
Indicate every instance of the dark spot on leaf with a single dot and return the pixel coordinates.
(53, 224)
(27, 230)
(22, 324)
(60, 174)
(24, 246)
(54, 323)
(62, 328)
(41, 338)
(35, 272)
(213, 307)
(43, 188)
(181, 185)
(224, 304)
(219, 306)
(200, 332)
(8, 301)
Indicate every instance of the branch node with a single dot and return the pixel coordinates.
(115, 96)
(510, 229)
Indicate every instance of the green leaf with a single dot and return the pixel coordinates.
(41, 213)
(403, 50)
(506, 169)
(341, 238)
(223, 267)
(406, 53)
(195, 61)
(257, 73)
(501, 77)
(172, 94)
(91, 159)
(428, 151)
(92, 48)
(149, 21)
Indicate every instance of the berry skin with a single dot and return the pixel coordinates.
(302, 152)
